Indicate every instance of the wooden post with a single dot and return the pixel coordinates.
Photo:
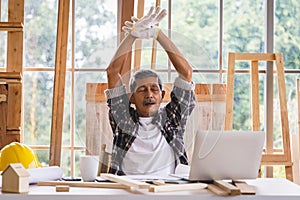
(126, 11)
(59, 82)
(154, 45)
(255, 96)
(138, 42)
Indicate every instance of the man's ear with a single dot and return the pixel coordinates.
(132, 99)
(163, 92)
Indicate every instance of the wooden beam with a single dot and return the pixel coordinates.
(230, 92)
(11, 26)
(154, 45)
(138, 42)
(255, 96)
(126, 181)
(15, 39)
(59, 82)
(14, 114)
(127, 8)
(125, 13)
(11, 75)
(255, 56)
(83, 184)
(177, 187)
(3, 115)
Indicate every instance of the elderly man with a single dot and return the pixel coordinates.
(148, 138)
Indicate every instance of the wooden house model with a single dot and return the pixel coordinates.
(15, 179)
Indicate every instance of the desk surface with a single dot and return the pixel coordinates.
(266, 188)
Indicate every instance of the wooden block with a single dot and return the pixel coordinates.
(177, 187)
(62, 188)
(231, 189)
(126, 181)
(217, 190)
(244, 187)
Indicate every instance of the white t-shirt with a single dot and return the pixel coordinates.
(149, 153)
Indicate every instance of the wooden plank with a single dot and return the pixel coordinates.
(138, 42)
(229, 92)
(14, 64)
(245, 188)
(3, 116)
(255, 56)
(59, 82)
(154, 45)
(255, 96)
(15, 39)
(127, 8)
(217, 190)
(11, 75)
(284, 113)
(83, 184)
(125, 181)
(11, 26)
(95, 92)
(177, 187)
(14, 106)
(295, 158)
(5, 80)
(297, 164)
(212, 98)
(125, 12)
(229, 188)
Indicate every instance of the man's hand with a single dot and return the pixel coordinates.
(145, 27)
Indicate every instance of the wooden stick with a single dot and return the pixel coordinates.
(59, 82)
(125, 181)
(231, 189)
(179, 187)
(83, 184)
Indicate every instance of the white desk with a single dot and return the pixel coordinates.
(271, 189)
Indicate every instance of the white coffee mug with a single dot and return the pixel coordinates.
(89, 167)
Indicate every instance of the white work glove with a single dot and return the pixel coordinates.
(145, 27)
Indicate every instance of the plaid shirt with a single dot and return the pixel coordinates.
(171, 120)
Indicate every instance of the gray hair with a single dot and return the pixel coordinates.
(143, 73)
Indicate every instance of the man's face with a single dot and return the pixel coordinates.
(147, 96)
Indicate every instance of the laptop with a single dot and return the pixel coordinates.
(230, 155)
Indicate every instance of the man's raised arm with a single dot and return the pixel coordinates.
(180, 63)
(114, 69)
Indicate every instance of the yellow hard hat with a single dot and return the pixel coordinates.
(16, 152)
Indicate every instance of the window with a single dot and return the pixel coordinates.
(205, 31)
